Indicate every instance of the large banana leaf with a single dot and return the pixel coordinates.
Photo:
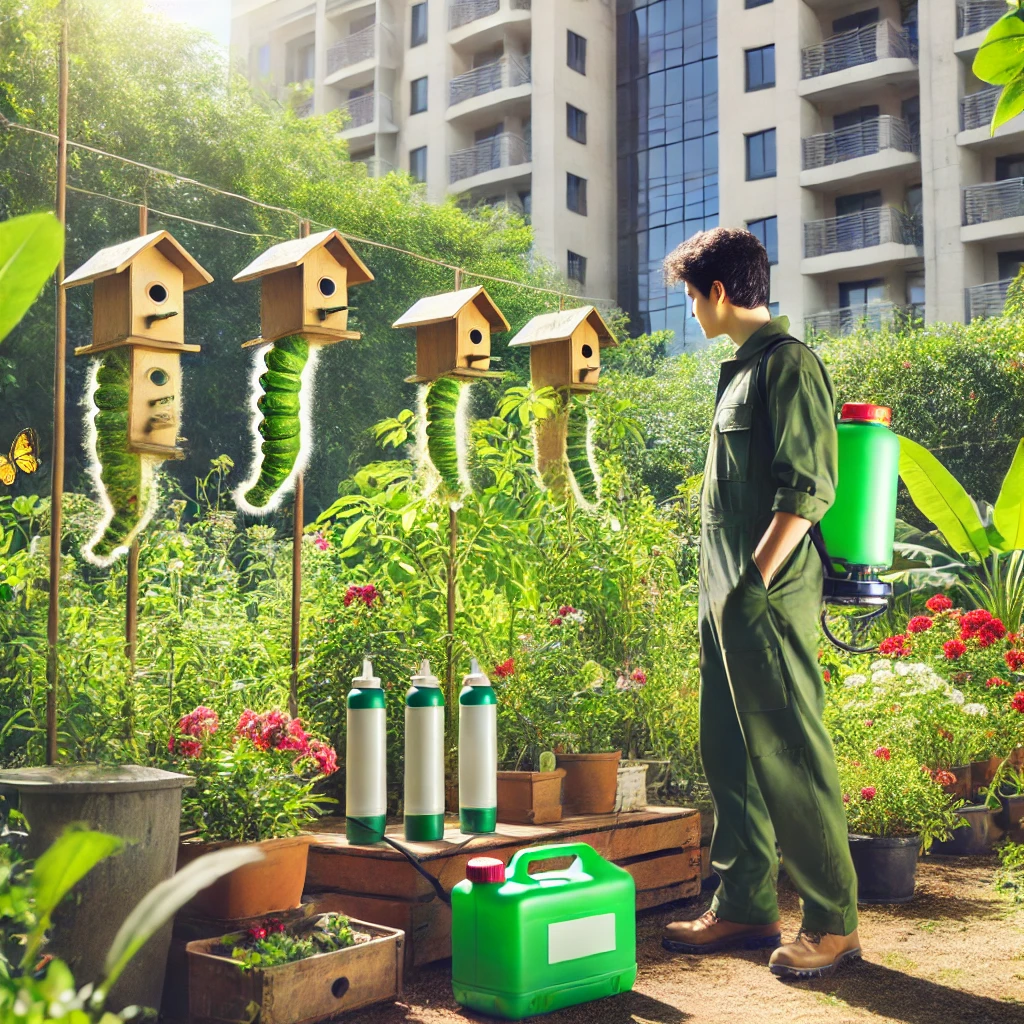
(1008, 516)
(30, 249)
(942, 499)
(1000, 57)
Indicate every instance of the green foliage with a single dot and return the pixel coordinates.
(30, 249)
(269, 944)
(577, 451)
(1009, 878)
(1000, 61)
(441, 409)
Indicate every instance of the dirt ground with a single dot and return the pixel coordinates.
(954, 955)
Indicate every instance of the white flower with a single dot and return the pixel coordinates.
(855, 680)
(879, 691)
(975, 709)
(919, 668)
(902, 669)
(956, 696)
(882, 676)
(878, 666)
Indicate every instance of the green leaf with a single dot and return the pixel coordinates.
(942, 499)
(30, 249)
(160, 904)
(1010, 104)
(1008, 515)
(58, 870)
(1001, 56)
(353, 531)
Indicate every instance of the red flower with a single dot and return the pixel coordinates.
(906, 364)
(868, 792)
(895, 646)
(566, 609)
(868, 722)
(920, 624)
(505, 669)
(556, 621)
(185, 747)
(1015, 660)
(938, 603)
(954, 649)
(1017, 701)
(257, 932)
(980, 623)
(368, 594)
(294, 737)
(325, 757)
(944, 778)
(946, 735)
(883, 753)
(828, 676)
(202, 722)
(846, 798)
(639, 676)
(990, 632)
(996, 681)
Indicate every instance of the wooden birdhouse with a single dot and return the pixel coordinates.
(305, 285)
(139, 303)
(453, 334)
(565, 348)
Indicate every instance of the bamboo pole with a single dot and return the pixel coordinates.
(298, 527)
(59, 376)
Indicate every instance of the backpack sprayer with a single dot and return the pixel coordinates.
(855, 537)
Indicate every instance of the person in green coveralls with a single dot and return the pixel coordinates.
(770, 475)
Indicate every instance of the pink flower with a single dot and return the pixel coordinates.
(868, 722)
(320, 541)
(367, 594)
(324, 755)
(938, 603)
(846, 798)
(920, 624)
(944, 778)
(556, 621)
(954, 649)
(883, 753)
(201, 722)
(906, 364)
(639, 676)
(868, 792)
(185, 747)
(566, 609)
(504, 669)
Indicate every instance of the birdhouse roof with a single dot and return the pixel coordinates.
(116, 258)
(435, 309)
(550, 327)
(286, 255)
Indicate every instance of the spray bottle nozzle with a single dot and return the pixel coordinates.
(475, 677)
(425, 677)
(367, 678)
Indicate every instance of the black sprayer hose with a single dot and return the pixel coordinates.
(836, 642)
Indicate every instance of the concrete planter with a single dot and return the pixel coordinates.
(143, 807)
(631, 791)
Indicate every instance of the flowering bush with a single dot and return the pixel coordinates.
(252, 783)
(269, 943)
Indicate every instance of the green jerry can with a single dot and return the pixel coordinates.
(525, 944)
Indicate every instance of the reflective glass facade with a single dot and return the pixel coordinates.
(668, 151)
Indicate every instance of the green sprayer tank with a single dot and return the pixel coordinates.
(859, 528)
(525, 944)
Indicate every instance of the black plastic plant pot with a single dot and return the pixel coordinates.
(1008, 818)
(886, 867)
(976, 838)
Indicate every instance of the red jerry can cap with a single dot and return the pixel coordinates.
(864, 412)
(485, 869)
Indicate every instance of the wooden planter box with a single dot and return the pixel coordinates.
(315, 989)
(530, 798)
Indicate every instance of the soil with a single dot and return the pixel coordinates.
(953, 955)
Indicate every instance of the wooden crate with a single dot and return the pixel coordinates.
(318, 988)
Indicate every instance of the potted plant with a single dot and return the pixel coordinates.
(631, 784)
(531, 798)
(895, 808)
(253, 785)
(309, 971)
(1005, 798)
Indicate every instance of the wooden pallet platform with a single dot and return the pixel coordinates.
(660, 847)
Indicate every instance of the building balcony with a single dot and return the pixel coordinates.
(976, 110)
(881, 237)
(376, 167)
(870, 317)
(503, 158)
(480, 23)
(986, 299)
(478, 91)
(993, 210)
(368, 115)
(973, 19)
(304, 108)
(341, 8)
(357, 54)
(861, 152)
(856, 63)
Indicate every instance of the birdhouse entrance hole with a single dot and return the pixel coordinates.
(587, 351)
(158, 377)
(475, 336)
(158, 293)
(327, 286)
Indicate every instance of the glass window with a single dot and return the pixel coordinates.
(761, 155)
(418, 95)
(773, 309)
(861, 293)
(915, 289)
(576, 123)
(576, 194)
(418, 35)
(858, 203)
(526, 198)
(756, 3)
(767, 230)
(577, 267)
(860, 19)
(418, 163)
(760, 68)
(263, 60)
(849, 118)
(1008, 167)
(576, 56)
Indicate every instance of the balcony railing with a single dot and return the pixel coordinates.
(376, 167)
(977, 108)
(864, 139)
(877, 226)
(869, 317)
(987, 299)
(462, 12)
(504, 73)
(304, 108)
(976, 15)
(995, 200)
(359, 46)
(363, 110)
(505, 150)
(858, 46)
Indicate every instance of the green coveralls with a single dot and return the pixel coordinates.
(767, 756)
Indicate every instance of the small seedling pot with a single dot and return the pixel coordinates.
(530, 798)
(591, 782)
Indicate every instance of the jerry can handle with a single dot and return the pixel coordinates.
(520, 864)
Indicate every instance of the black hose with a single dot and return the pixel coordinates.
(836, 642)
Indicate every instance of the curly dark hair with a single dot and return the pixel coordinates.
(730, 255)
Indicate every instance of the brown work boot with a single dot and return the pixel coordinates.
(710, 934)
(814, 954)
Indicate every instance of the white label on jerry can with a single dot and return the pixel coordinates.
(586, 936)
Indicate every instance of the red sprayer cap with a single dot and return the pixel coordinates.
(485, 869)
(864, 412)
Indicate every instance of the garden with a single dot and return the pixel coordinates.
(344, 525)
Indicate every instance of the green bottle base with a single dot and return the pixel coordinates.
(424, 828)
(478, 819)
(366, 830)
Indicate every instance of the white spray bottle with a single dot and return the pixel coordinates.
(478, 753)
(424, 758)
(366, 800)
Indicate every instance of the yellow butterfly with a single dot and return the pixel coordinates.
(24, 456)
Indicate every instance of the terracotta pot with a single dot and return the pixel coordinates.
(269, 886)
(631, 787)
(983, 772)
(961, 789)
(591, 782)
(1017, 757)
(530, 798)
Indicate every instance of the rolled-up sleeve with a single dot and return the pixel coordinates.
(801, 405)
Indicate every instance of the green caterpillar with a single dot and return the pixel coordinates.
(442, 445)
(125, 476)
(279, 405)
(578, 454)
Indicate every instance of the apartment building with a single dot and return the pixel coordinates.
(509, 101)
(854, 140)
